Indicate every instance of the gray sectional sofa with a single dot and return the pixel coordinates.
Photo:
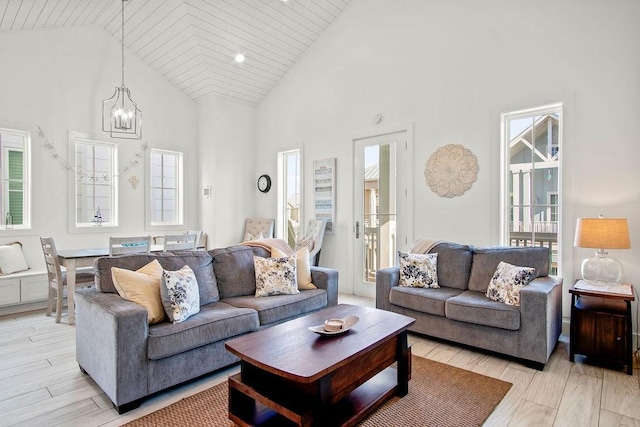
(459, 311)
(130, 359)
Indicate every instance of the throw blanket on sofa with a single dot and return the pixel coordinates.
(269, 244)
(423, 246)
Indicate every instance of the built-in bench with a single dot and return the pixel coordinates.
(23, 291)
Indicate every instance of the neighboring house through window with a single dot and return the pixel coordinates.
(14, 178)
(289, 223)
(531, 173)
(166, 199)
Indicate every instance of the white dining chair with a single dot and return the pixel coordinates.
(58, 278)
(129, 245)
(179, 242)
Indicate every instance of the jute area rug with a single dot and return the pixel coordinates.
(439, 395)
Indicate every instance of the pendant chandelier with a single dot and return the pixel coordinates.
(121, 117)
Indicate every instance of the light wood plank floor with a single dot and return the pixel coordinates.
(41, 385)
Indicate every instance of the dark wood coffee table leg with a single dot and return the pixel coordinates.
(404, 364)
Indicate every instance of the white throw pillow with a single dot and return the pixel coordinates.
(507, 281)
(248, 236)
(180, 295)
(276, 276)
(418, 270)
(12, 259)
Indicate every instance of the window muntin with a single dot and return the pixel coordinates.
(166, 187)
(531, 141)
(14, 179)
(95, 186)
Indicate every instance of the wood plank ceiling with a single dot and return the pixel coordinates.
(193, 43)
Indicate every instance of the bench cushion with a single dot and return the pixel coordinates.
(216, 321)
(277, 308)
(475, 307)
(426, 300)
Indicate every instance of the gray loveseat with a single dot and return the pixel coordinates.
(459, 311)
(130, 359)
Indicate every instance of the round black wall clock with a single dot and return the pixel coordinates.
(264, 183)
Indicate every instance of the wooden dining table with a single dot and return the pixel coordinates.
(73, 259)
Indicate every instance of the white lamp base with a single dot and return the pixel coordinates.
(602, 268)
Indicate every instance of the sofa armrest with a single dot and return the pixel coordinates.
(327, 279)
(540, 318)
(111, 344)
(386, 278)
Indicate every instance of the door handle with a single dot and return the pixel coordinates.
(357, 229)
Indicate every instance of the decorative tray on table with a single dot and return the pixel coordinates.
(335, 326)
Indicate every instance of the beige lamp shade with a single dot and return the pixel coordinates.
(602, 233)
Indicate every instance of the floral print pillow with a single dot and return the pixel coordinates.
(275, 276)
(418, 270)
(507, 281)
(180, 295)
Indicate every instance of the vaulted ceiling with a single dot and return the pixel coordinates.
(193, 43)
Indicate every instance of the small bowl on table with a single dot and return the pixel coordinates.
(333, 325)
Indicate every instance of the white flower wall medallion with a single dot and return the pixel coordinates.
(451, 170)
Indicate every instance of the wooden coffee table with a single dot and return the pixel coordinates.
(293, 376)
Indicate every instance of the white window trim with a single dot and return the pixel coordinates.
(505, 169)
(281, 223)
(26, 215)
(179, 225)
(74, 227)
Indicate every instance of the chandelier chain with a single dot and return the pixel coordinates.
(122, 42)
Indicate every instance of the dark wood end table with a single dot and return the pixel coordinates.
(293, 376)
(601, 325)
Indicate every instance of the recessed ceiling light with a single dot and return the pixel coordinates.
(239, 58)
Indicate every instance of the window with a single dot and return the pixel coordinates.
(14, 178)
(289, 196)
(166, 188)
(531, 199)
(95, 186)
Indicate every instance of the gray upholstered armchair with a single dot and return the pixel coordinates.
(253, 227)
(314, 234)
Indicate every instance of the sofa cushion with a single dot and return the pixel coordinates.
(454, 264)
(507, 281)
(235, 271)
(475, 307)
(275, 276)
(143, 287)
(303, 267)
(216, 321)
(277, 308)
(418, 270)
(200, 262)
(486, 260)
(179, 292)
(425, 300)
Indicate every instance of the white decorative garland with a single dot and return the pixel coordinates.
(80, 174)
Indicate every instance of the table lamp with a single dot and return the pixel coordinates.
(602, 233)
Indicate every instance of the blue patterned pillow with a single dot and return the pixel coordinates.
(276, 276)
(180, 295)
(418, 270)
(507, 281)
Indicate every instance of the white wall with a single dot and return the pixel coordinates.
(226, 133)
(57, 79)
(451, 68)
